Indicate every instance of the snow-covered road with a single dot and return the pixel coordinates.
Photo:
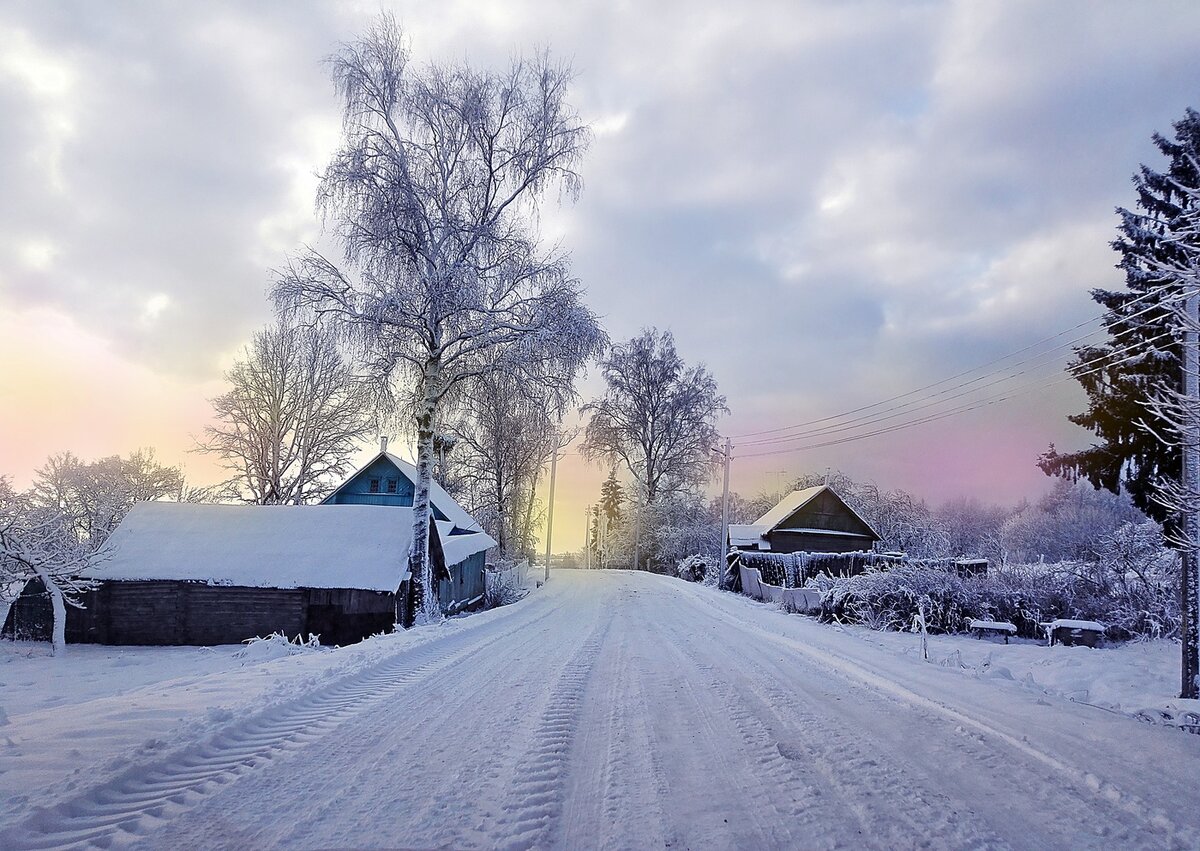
(626, 710)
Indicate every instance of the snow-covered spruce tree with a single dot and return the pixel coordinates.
(433, 194)
(1144, 404)
(292, 419)
(38, 542)
(1118, 385)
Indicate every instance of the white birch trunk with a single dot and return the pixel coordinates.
(58, 636)
(424, 588)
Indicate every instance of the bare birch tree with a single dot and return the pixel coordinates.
(293, 418)
(1173, 408)
(506, 434)
(657, 416)
(433, 195)
(93, 497)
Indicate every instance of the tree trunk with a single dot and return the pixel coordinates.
(423, 588)
(58, 636)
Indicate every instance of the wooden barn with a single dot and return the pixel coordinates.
(179, 573)
(813, 520)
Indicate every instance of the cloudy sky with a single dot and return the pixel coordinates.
(828, 203)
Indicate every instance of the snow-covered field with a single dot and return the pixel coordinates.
(617, 710)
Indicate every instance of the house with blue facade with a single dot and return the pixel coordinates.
(181, 573)
(459, 547)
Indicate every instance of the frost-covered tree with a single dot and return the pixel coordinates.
(433, 194)
(1121, 375)
(93, 497)
(293, 417)
(39, 542)
(973, 528)
(1143, 403)
(612, 498)
(1066, 524)
(506, 432)
(657, 416)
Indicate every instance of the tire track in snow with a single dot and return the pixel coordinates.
(974, 733)
(140, 799)
(538, 788)
(630, 780)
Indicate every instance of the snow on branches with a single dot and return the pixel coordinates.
(37, 542)
(434, 196)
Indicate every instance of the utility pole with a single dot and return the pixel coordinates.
(550, 509)
(1190, 558)
(587, 537)
(727, 455)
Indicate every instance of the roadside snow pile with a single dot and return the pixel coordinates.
(1137, 678)
(277, 646)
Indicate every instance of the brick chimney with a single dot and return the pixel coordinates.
(383, 444)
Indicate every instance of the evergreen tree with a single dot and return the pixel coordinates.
(611, 498)
(1121, 375)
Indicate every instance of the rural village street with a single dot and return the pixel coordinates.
(628, 710)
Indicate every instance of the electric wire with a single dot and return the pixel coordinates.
(933, 401)
(1148, 308)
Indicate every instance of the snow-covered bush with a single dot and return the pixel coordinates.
(1131, 604)
(276, 646)
(693, 568)
(891, 599)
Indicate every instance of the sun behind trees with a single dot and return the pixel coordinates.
(433, 197)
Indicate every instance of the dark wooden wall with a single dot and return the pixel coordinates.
(31, 617)
(802, 542)
(465, 584)
(192, 613)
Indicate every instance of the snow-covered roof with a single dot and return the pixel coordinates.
(267, 546)
(796, 500)
(787, 506)
(743, 535)
(458, 547)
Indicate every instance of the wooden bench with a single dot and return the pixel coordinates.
(1068, 632)
(981, 628)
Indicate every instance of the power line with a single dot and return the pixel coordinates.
(911, 407)
(1152, 306)
(962, 409)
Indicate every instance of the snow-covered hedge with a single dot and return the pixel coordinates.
(1133, 606)
(793, 570)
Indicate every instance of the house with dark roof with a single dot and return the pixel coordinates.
(182, 573)
(812, 520)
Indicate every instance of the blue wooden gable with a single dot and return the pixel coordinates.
(379, 483)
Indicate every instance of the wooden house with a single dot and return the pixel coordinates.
(179, 573)
(813, 520)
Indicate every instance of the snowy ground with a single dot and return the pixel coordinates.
(613, 710)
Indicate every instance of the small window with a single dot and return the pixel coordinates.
(374, 485)
(391, 485)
